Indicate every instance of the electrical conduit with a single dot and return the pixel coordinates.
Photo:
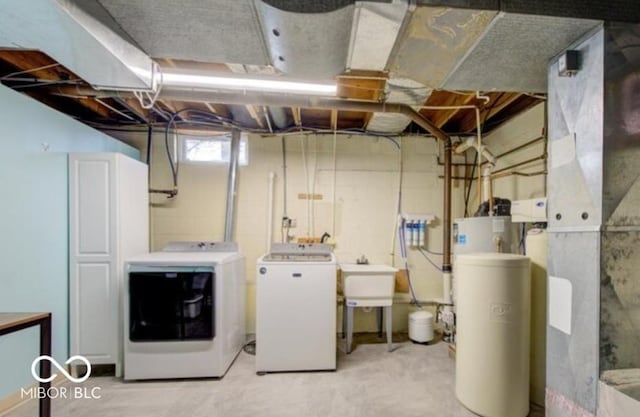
(232, 187)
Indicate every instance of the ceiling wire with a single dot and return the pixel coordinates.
(42, 83)
(13, 74)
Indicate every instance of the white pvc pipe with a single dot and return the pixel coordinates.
(313, 186)
(333, 206)
(306, 180)
(270, 199)
(398, 214)
(446, 288)
(486, 185)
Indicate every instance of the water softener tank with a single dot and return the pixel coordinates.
(492, 353)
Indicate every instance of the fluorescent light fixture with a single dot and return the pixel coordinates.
(193, 80)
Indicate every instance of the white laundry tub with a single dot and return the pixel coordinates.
(369, 284)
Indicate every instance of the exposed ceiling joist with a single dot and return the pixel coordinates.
(441, 117)
(35, 64)
(254, 115)
(134, 107)
(169, 106)
(496, 105)
(211, 108)
(334, 119)
(297, 117)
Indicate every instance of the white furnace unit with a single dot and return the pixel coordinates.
(296, 309)
(184, 311)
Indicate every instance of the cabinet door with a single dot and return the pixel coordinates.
(93, 290)
(92, 307)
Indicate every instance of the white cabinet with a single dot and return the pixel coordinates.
(108, 223)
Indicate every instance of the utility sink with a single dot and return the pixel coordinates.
(368, 284)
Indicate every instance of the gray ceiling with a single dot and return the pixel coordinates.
(465, 49)
(513, 53)
(210, 31)
(610, 10)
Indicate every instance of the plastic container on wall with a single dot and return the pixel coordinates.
(493, 322)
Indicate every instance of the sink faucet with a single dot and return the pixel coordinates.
(362, 260)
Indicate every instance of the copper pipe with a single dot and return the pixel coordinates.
(524, 145)
(528, 161)
(518, 174)
(501, 175)
(456, 164)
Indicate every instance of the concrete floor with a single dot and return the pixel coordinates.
(413, 380)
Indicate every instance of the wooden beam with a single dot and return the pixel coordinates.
(267, 118)
(495, 106)
(254, 115)
(365, 120)
(134, 107)
(297, 118)
(443, 117)
(334, 119)
(170, 106)
(29, 60)
(78, 108)
(211, 108)
(95, 107)
(219, 109)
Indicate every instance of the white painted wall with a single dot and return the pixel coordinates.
(367, 179)
(521, 129)
(34, 223)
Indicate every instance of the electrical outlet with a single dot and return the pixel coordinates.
(289, 223)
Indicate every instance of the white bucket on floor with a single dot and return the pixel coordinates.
(421, 326)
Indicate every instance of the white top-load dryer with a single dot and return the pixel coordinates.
(296, 308)
(184, 311)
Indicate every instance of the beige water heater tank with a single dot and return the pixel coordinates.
(493, 316)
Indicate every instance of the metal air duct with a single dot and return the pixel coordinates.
(64, 31)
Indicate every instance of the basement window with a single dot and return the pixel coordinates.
(211, 149)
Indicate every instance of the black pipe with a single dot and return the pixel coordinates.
(149, 152)
(446, 218)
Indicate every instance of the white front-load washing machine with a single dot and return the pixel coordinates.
(184, 311)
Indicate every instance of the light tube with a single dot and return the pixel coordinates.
(173, 79)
